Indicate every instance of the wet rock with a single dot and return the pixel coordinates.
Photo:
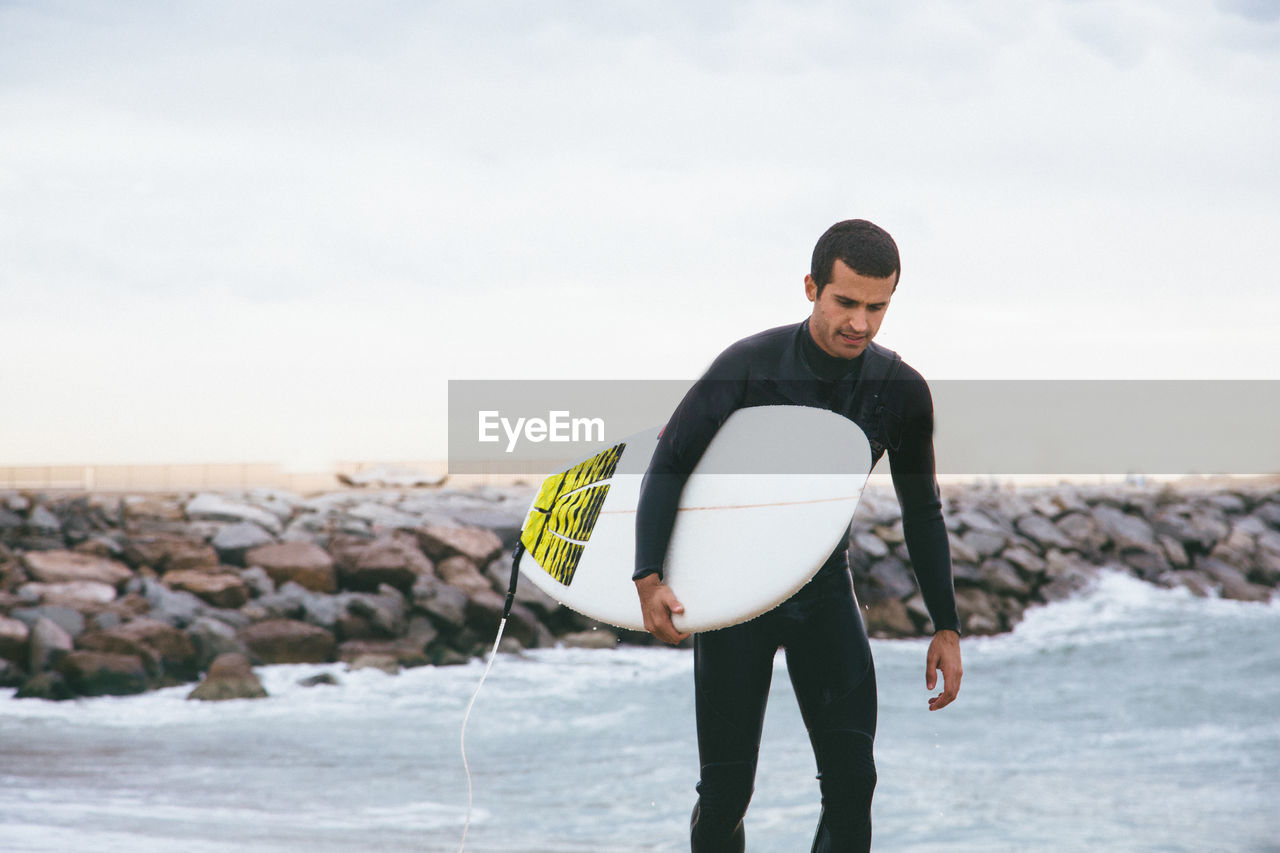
(304, 563)
(286, 641)
(598, 639)
(387, 663)
(1066, 576)
(476, 544)
(173, 647)
(173, 606)
(11, 675)
(888, 618)
(14, 635)
(65, 566)
(318, 680)
(217, 589)
(103, 674)
(211, 638)
(230, 676)
(50, 686)
(1231, 581)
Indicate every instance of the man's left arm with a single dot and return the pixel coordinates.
(915, 481)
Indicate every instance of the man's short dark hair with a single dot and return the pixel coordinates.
(865, 248)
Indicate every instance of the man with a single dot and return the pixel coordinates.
(827, 361)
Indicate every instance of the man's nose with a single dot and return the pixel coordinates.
(858, 320)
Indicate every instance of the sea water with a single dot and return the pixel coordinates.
(1131, 718)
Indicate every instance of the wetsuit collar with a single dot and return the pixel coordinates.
(823, 364)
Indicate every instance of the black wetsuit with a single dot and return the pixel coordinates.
(828, 656)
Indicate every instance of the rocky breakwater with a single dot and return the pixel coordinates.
(110, 594)
(1015, 548)
(116, 594)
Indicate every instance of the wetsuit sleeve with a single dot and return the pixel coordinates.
(916, 483)
(684, 439)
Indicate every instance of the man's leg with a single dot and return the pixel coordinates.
(732, 671)
(829, 661)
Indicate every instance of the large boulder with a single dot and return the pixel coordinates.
(80, 595)
(66, 566)
(212, 638)
(234, 541)
(50, 686)
(304, 563)
(230, 676)
(103, 674)
(446, 605)
(393, 560)
(286, 641)
(475, 543)
(165, 552)
(14, 635)
(461, 572)
(212, 507)
(48, 643)
(173, 647)
(218, 589)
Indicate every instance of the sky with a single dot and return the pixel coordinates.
(274, 231)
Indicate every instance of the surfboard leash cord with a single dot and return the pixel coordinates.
(493, 653)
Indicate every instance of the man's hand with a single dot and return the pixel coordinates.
(944, 654)
(657, 603)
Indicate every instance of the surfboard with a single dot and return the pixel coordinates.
(769, 501)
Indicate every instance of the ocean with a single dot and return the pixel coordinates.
(1131, 718)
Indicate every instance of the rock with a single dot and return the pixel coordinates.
(1190, 580)
(234, 541)
(258, 581)
(103, 674)
(1043, 532)
(230, 676)
(317, 680)
(50, 686)
(389, 664)
(100, 545)
(978, 614)
(870, 545)
(1199, 530)
(173, 647)
(461, 572)
(1147, 565)
(174, 606)
(1173, 550)
(1066, 575)
(78, 595)
(164, 552)
(212, 507)
(11, 675)
(1127, 532)
(152, 508)
(499, 575)
(68, 619)
(1083, 533)
(1000, 576)
(446, 605)
(1229, 503)
(42, 521)
(891, 578)
(598, 639)
(220, 590)
(211, 638)
(1030, 564)
(111, 641)
(976, 520)
(1231, 581)
(476, 544)
(1269, 512)
(888, 618)
(304, 563)
(484, 613)
(445, 656)
(396, 561)
(960, 551)
(66, 566)
(984, 543)
(384, 518)
(14, 635)
(286, 641)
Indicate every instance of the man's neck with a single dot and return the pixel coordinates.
(824, 364)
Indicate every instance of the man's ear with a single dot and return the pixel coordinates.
(810, 288)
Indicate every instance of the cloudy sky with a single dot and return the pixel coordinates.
(274, 231)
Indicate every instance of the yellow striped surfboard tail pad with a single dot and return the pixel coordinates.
(565, 513)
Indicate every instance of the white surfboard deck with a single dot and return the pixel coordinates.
(770, 500)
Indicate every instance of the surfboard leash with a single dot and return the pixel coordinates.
(493, 653)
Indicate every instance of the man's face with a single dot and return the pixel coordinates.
(848, 313)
